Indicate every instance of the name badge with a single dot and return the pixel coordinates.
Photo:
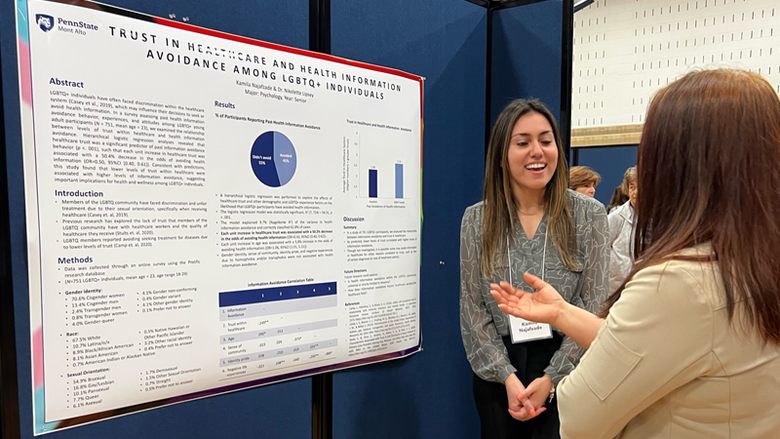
(524, 330)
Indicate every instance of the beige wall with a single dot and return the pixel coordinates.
(625, 50)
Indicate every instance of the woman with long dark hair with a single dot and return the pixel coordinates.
(528, 221)
(689, 345)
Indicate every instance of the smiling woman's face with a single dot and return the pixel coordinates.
(532, 154)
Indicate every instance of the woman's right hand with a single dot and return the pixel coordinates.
(543, 306)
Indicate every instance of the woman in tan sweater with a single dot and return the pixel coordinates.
(689, 346)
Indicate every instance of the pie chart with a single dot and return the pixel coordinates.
(273, 159)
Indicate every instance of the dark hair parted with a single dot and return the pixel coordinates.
(500, 210)
(709, 169)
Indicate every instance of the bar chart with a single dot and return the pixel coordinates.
(399, 180)
(372, 183)
(373, 171)
(397, 186)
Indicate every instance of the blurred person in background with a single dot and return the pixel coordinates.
(618, 198)
(584, 180)
(621, 233)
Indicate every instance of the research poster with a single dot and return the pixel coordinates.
(207, 212)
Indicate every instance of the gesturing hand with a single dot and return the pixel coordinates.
(543, 306)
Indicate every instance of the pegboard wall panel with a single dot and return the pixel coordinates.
(625, 50)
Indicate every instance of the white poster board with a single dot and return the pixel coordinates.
(207, 212)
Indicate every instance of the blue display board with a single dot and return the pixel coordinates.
(427, 395)
(527, 52)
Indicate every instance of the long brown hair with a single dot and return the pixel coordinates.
(709, 171)
(500, 209)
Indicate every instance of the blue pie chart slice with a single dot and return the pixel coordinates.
(273, 159)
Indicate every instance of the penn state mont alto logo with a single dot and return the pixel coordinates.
(45, 22)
